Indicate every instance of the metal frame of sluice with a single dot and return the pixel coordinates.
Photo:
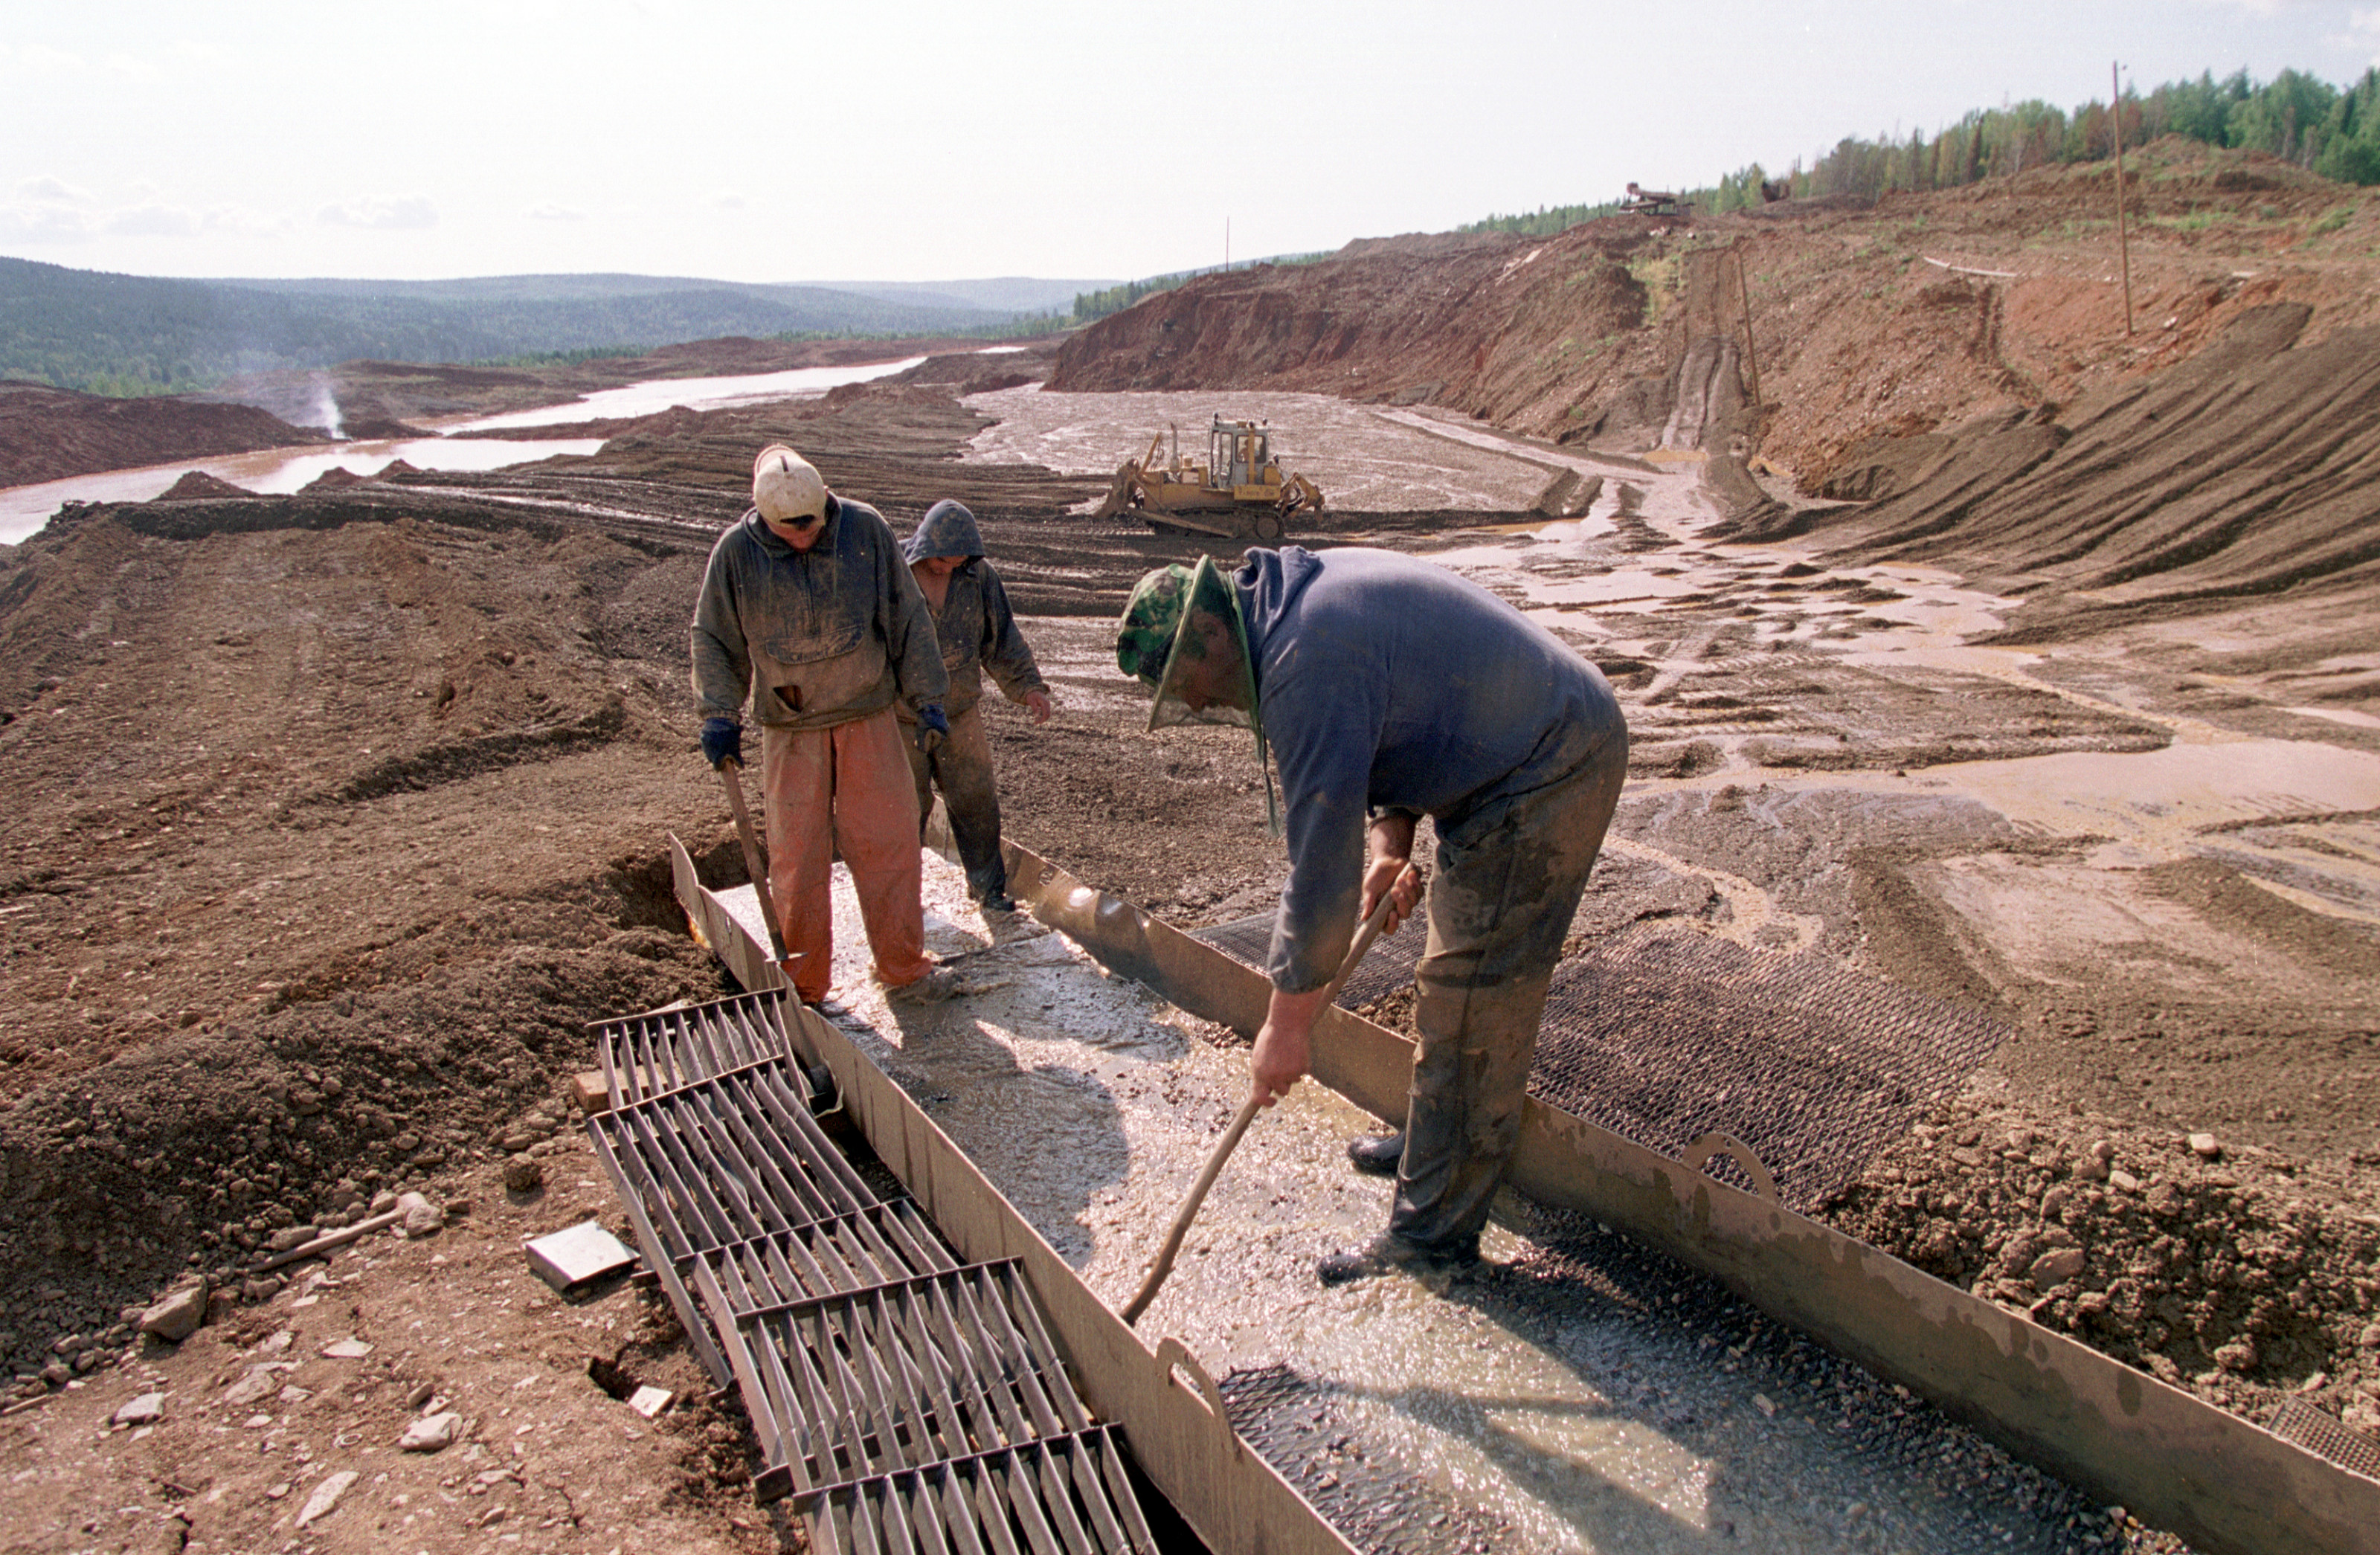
(2228, 1485)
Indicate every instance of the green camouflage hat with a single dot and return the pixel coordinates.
(1149, 647)
(1151, 618)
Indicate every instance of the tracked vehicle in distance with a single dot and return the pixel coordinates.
(1239, 492)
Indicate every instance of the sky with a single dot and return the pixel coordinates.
(938, 140)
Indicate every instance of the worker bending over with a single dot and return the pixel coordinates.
(808, 609)
(977, 632)
(1389, 689)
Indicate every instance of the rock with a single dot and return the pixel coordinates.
(176, 1317)
(2206, 1146)
(293, 1236)
(326, 1496)
(260, 1382)
(524, 1174)
(2123, 1181)
(263, 1288)
(222, 1303)
(384, 1201)
(2239, 1355)
(2056, 1267)
(347, 1349)
(57, 1374)
(420, 1395)
(2054, 1202)
(430, 1433)
(145, 1410)
(2370, 1337)
(421, 1217)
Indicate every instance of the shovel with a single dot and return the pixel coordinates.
(755, 861)
(1231, 1139)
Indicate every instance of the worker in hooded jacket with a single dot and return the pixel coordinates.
(1390, 690)
(977, 632)
(807, 610)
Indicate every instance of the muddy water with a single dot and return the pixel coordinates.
(273, 471)
(1364, 461)
(1576, 1424)
(697, 394)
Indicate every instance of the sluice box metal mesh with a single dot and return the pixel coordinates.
(1662, 1034)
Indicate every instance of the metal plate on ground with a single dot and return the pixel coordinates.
(1663, 1034)
(576, 1255)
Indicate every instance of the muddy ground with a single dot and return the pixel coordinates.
(337, 814)
(334, 816)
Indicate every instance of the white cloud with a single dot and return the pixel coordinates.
(40, 59)
(155, 219)
(406, 213)
(129, 67)
(548, 211)
(2363, 32)
(51, 191)
(729, 200)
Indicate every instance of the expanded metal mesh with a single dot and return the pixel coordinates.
(1380, 1505)
(907, 1402)
(2313, 1429)
(1663, 1034)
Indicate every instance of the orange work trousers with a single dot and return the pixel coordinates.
(846, 788)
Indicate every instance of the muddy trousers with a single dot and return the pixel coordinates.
(962, 770)
(1508, 883)
(843, 789)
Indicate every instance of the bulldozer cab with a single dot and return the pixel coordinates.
(1238, 453)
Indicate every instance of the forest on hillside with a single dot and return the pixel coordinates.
(2332, 131)
(130, 334)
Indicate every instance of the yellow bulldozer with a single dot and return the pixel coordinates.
(1239, 494)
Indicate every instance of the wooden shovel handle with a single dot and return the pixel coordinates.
(1231, 1139)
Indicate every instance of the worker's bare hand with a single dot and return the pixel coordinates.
(1400, 881)
(1037, 704)
(1279, 1062)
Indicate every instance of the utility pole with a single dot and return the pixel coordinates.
(1227, 245)
(2124, 242)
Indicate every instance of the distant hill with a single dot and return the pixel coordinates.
(1005, 294)
(131, 334)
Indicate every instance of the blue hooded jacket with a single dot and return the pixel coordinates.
(1389, 683)
(975, 627)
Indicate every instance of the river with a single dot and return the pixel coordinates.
(275, 471)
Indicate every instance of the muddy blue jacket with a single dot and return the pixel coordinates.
(1387, 684)
(977, 629)
(814, 637)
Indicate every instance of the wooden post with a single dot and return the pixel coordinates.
(2123, 243)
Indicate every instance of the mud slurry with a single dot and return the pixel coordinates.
(1584, 1396)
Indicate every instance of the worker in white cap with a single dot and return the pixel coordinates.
(807, 612)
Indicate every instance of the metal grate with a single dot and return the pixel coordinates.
(906, 1401)
(1380, 1505)
(2312, 1427)
(1663, 1034)
(1061, 1493)
(1386, 967)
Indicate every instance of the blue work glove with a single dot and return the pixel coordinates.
(933, 727)
(722, 741)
